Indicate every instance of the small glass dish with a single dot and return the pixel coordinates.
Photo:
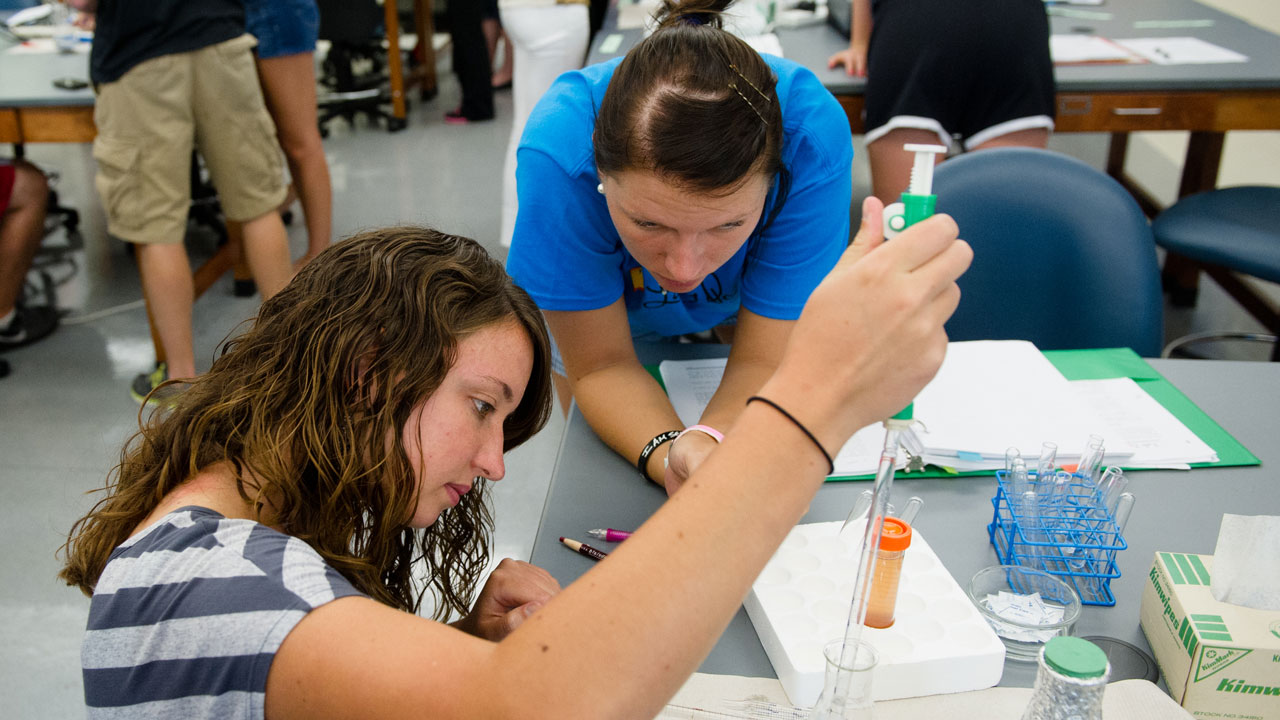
(1025, 607)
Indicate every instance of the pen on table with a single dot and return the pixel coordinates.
(609, 534)
(583, 549)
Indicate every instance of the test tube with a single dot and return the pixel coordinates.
(859, 510)
(1018, 477)
(1124, 506)
(1110, 487)
(911, 509)
(1048, 459)
(1010, 455)
(895, 538)
(1061, 520)
(1029, 509)
(1091, 460)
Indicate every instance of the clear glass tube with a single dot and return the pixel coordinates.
(867, 555)
(1090, 466)
(846, 689)
(1010, 455)
(910, 510)
(1048, 460)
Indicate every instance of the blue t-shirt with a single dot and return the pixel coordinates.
(566, 253)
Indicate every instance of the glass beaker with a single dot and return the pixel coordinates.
(846, 690)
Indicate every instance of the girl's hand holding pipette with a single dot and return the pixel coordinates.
(879, 314)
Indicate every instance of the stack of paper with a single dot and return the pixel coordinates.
(1067, 49)
(989, 396)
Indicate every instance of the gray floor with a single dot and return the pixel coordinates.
(66, 408)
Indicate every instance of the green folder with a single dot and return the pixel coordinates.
(1101, 365)
(1123, 362)
(1115, 363)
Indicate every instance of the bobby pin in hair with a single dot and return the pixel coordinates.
(748, 102)
(747, 81)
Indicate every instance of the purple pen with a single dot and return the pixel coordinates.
(609, 535)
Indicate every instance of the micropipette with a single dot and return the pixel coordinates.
(918, 201)
(917, 204)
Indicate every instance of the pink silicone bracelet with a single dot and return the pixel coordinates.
(714, 433)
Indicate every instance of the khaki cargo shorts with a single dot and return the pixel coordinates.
(149, 120)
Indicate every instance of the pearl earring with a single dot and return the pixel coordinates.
(600, 188)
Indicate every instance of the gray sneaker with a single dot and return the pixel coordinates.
(150, 388)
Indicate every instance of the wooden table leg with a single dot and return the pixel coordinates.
(398, 110)
(1117, 152)
(426, 74)
(1181, 276)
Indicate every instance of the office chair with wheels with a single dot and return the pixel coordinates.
(1229, 232)
(354, 69)
(1063, 256)
(57, 260)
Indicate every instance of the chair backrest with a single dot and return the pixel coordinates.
(1063, 255)
(350, 21)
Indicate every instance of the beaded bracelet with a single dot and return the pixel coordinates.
(831, 466)
(643, 463)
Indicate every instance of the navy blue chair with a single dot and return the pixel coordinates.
(1228, 233)
(1063, 255)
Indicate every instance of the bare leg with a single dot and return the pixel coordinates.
(493, 35)
(503, 75)
(21, 230)
(289, 86)
(266, 247)
(1034, 137)
(170, 292)
(891, 165)
(491, 29)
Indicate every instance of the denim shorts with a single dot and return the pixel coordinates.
(283, 27)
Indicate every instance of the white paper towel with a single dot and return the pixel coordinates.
(1246, 562)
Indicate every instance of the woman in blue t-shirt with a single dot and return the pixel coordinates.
(689, 186)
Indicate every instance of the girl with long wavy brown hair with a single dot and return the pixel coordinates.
(254, 554)
(305, 401)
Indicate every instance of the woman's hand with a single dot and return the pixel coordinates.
(514, 591)
(853, 58)
(687, 452)
(871, 334)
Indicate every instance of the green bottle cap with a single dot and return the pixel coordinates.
(1075, 657)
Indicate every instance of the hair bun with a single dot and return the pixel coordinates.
(672, 13)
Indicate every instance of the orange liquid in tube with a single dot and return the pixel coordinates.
(895, 538)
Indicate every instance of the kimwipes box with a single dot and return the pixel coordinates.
(1219, 660)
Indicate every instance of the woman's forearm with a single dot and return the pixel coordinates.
(627, 408)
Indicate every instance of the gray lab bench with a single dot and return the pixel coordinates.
(592, 487)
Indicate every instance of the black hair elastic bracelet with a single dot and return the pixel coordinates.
(643, 463)
(831, 466)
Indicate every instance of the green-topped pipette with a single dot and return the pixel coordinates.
(916, 205)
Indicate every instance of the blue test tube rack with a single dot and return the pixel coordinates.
(1069, 533)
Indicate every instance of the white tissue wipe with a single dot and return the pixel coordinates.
(1245, 571)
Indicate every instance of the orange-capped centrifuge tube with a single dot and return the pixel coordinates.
(895, 538)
